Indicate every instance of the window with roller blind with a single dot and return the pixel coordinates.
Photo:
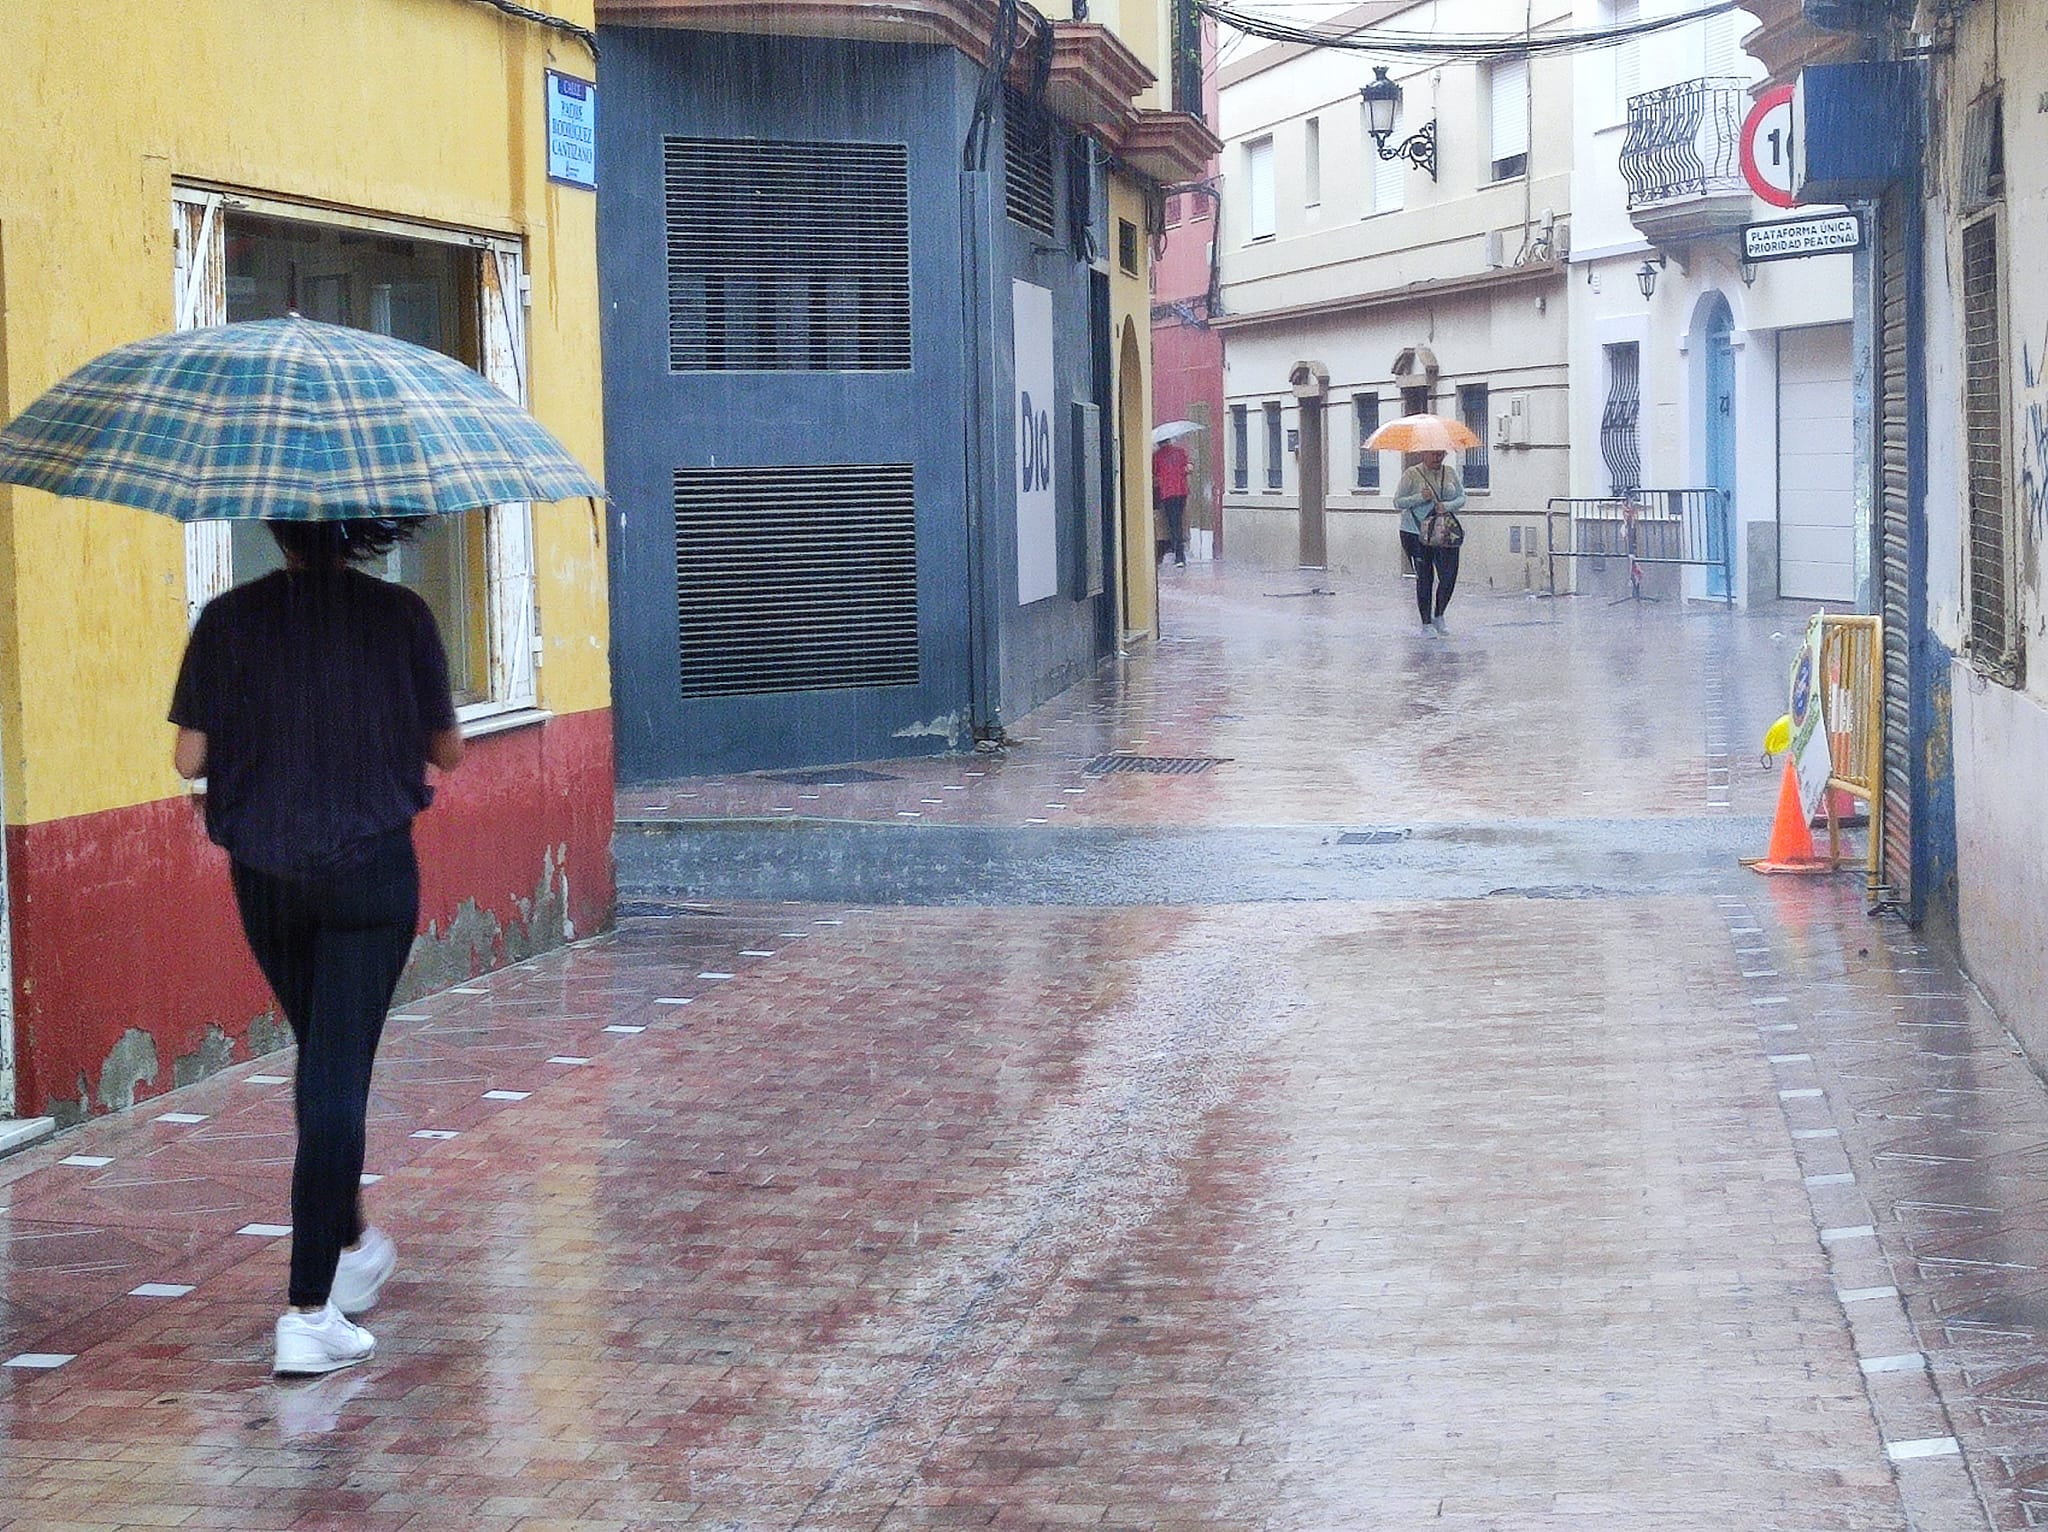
(1258, 180)
(1386, 181)
(1627, 54)
(1508, 118)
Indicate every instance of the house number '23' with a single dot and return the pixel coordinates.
(1034, 447)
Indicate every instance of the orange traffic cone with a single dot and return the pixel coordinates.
(1791, 840)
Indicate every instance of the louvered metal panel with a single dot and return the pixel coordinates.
(1896, 566)
(1993, 629)
(796, 579)
(787, 256)
(1030, 148)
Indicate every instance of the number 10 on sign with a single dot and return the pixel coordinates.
(1767, 147)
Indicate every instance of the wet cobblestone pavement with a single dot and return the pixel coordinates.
(1530, 1166)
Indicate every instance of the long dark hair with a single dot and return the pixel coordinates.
(323, 545)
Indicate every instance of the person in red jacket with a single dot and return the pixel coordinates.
(1170, 494)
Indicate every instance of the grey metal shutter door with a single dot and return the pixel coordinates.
(1894, 553)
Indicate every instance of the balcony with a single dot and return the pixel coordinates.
(1682, 160)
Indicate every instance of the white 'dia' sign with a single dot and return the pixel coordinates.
(1038, 565)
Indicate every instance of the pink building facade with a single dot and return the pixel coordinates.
(1187, 355)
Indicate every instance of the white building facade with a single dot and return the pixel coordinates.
(1727, 376)
(1358, 288)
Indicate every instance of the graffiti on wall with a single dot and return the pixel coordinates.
(2033, 443)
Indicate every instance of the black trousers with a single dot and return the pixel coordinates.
(332, 947)
(1435, 568)
(1176, 509)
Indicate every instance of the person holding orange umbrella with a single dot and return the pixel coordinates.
(1429, 497)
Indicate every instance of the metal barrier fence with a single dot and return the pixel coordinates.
(1852, 706)
(1651, 527)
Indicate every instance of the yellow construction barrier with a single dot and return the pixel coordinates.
(1852, 704)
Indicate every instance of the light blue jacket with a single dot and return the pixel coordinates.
(1412, 498)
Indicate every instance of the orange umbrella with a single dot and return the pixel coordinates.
(1421, 433)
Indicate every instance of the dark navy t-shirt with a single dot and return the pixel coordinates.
(317, 695)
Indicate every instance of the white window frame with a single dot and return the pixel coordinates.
(1507, 117)
(1261, 201)
(200, 296)
(1386, 180)
(1312, 163)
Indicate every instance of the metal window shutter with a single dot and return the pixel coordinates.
(1030, 147)
(795, 579)
(1389, 178)
(1895, 554)
(1510, 112)
(1993, 628)
(787, 256)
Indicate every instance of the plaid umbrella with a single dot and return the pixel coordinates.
(285, 420)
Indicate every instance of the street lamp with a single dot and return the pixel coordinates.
(1382, 98)
(1646, 278)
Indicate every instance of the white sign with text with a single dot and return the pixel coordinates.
(1038, 564)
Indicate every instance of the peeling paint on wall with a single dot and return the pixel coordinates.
(132, 1062)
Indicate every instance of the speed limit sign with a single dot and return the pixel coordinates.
(1767, 147)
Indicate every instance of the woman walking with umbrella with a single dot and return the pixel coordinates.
(313, 699)
(1429, 497)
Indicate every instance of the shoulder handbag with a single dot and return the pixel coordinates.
(1441, 528)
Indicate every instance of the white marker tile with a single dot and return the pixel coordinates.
(627, 1031)
(669, 1000)
(1745, 930)
(908, 814)
(41, 1361)
(506, 1095)
(160, 1290)
(182, 1117)
(469, 989)
(410, 1015)
(1035, 821)
(567, 1058)
(954, 787)
(1788, 1058)
(87, 1161)
(435, 1133)
(273, 1079)
(1817, 1133)
(782, 808)
(791, 936)
(755, 952)
(1856, 1231)
(1770, 1000)
(1907, 1361)
(824, 920)
(1075, 790)
(1759, 973)
(266, 1230)
(1798, 1095)
(1865, 1294)
(1838, 1178)
(1778, 1026)
(1925, 1447)
(930, 802)
(368, 1178)
(714, 977)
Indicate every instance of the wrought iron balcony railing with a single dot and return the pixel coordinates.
(1684, 141)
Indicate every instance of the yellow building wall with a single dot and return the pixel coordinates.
(420, 109)
(1130, 303)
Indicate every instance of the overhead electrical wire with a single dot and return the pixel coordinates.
(1438, 45)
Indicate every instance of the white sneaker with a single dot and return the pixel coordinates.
(322, 1342)
(1438, 626)
(361, 1272)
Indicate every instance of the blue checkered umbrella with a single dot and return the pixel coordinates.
(285, 420)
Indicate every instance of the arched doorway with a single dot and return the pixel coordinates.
(1717, 398)
(1138, 575)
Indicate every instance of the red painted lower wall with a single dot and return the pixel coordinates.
(123, 921)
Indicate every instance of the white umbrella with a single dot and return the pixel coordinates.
(1174, 430)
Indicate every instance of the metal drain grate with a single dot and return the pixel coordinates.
(820, 776)
(1152, 765)
(1371, 837)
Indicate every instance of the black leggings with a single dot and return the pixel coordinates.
(1433, 566)
(332, 947)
